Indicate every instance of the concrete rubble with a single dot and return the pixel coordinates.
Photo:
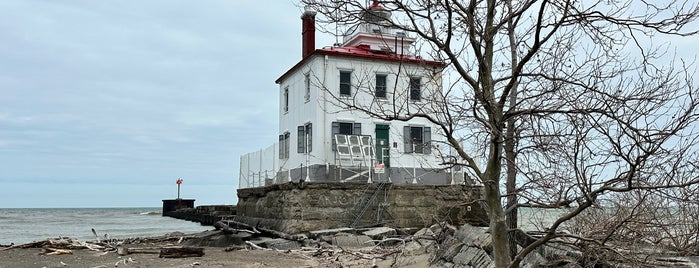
(446, 245)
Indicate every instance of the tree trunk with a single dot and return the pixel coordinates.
(511, 144)
(498, 227)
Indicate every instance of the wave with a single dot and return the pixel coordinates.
(149, 213)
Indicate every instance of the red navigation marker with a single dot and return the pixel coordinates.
(179, 181)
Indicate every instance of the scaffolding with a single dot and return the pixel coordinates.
(353, 154)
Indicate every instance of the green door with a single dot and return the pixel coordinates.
(382, 145)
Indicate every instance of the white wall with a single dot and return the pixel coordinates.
(324, 108)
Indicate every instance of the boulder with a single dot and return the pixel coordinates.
(474, 236)
(475, 257)
(413, 248)
(380, 232)
(352, 241)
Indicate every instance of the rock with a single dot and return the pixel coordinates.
(475, 236)
(414, 247)
(329, 232)
(380, 232)
(475, 257)
(352, 241)
(425, 237)
(450, 248)
(533, 260)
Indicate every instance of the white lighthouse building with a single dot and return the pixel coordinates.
(330, 109)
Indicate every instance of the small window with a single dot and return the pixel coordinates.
(346, 128)
(286, 100)
(345, 83)
(415, 88)
(417, 140)
(307, 86)
(381, 86)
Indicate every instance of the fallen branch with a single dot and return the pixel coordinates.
(220, 225)
(255, 246)
(56, 251)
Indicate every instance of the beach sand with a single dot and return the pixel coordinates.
(214, 257)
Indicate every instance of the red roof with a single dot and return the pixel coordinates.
(363, 52)
(375, 6)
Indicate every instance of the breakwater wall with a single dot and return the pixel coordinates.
(205, 215)
(301, 207)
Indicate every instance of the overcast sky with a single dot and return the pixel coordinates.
(107, 103)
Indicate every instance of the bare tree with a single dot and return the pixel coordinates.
(571, 98)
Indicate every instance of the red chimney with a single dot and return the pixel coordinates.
(308, 32)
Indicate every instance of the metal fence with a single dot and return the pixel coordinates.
(259, 166)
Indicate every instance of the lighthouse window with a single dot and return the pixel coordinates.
(284, 144)
(345, 83)
(381, 86)
(417, 139)
(307, 86)
(415, 88)
(286, 99)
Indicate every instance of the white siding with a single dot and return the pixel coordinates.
(323, 108)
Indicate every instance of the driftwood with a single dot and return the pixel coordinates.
(251, 244)
(59, 243)
(123, 251)
(224, 226)
(181, 252)
(56, 251)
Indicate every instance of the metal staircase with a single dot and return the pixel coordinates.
(366, 203)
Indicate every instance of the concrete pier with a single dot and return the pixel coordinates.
(170, 205)
(184, 209)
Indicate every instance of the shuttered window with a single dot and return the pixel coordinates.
(284, 145)
(304, 138)
(417, 140)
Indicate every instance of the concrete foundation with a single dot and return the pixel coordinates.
(301, 207)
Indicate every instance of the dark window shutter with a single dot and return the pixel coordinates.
(357, 130)
(334, 130)
(287, 144)
(301, 141)
(407, 141)
(309, 132)
(427, 139)
(281, 146)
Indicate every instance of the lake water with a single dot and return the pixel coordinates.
(23, 225)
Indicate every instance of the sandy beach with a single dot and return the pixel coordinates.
(214, 257)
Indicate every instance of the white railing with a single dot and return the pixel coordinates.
(259, 166)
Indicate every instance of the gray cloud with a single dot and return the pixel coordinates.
(142, 92)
